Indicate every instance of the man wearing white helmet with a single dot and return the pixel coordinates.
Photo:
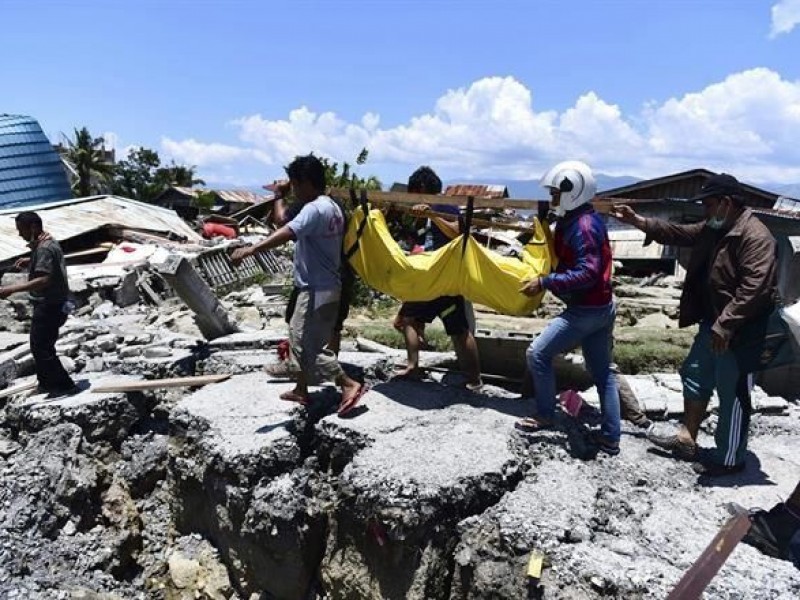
(583, 281)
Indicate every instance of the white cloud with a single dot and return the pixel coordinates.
(746, 124)
(197, 153)
(785, 17)
(111, 140)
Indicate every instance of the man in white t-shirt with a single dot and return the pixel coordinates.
(317, 231)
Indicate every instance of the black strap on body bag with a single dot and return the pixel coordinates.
(765, 342)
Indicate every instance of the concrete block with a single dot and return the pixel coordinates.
(503, 352)
(242, 340)
(212, 319)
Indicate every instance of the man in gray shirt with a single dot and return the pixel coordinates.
(317, 231)
(49, 291)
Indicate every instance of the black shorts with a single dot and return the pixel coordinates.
(348, 290)
(451, 310)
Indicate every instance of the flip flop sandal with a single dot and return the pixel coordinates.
(292, 397)
(347, 405)
(532, 425)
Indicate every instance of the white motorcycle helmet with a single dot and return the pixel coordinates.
(576, 183)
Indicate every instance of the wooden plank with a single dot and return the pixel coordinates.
(23, 387)
(154, 384)
(411, 199)
(601, 203)
(477, 222)
(700, 574)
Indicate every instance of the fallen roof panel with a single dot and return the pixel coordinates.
(71, 218)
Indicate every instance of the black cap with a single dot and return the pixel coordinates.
(719, 185)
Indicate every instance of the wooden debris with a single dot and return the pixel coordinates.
(700, 574)
(18, 389)
(154, 384)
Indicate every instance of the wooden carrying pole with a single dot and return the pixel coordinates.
(477, 222)
(601, 203)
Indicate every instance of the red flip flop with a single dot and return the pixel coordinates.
(292, 397)
(347, 405)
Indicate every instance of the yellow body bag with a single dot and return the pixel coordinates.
(477, 273)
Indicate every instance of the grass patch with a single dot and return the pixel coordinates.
(637, 350)
(642, 350)
(387, 335)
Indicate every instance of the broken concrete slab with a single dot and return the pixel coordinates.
(168, 362)
(9, 341)
(235, 464)
(211, 317)
(256, 340)
(237, 362)
(108, 417)
(661, 395)
(424, 456)
(628, 529)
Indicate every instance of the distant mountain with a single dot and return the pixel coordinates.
(792, 190)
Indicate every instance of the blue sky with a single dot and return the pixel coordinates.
(478, 89)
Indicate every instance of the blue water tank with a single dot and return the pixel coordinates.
(31, 171)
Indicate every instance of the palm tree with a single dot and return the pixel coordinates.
(87, 155)
(182, 175)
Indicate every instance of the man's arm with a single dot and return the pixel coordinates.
(275, 239)
(280, 212)
(660, 230)
(451, 228)
(32, 285)
(757, 264)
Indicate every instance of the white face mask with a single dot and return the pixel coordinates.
(717, 222)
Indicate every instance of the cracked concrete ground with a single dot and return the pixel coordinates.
(428, 492)
(424, 491)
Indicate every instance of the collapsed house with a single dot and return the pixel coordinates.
(184, 201)
(128, 252)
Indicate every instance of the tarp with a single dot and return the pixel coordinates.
(459, 268)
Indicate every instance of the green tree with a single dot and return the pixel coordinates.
(141, 176)
(180, 175)
(135, 175)
(87, 154)
(346, 177)
(205, 201)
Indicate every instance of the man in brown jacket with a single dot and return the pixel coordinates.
(731, 279)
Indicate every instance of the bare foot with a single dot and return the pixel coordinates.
(294, 396)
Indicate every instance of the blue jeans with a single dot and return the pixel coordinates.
(591, 327)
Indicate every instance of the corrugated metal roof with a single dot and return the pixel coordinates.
(231, 196)
(628, 244)
(65, 220)
(30, 170)
(686, 184)
(477, 190)
(786, 204)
